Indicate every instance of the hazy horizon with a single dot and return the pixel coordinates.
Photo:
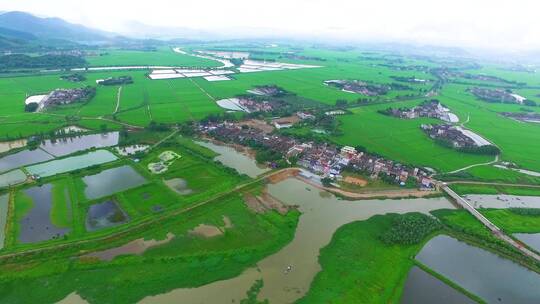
(480, 24)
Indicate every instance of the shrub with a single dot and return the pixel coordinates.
(409, 229)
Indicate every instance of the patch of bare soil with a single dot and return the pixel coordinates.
(283, 175)
(355, 181)
(259, 125)
(206, 231)
(227, 222)
(265, 202)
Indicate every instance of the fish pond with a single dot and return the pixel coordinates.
(485, 274)
(230, 157)
(503, 201)
(69, 145)
(23, 158)
(423, 288)
(105, 214)
(71, 163)
(36, 225)
(11, 178)
(531, 239)
(111, 181)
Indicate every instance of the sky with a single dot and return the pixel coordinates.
(482, 24)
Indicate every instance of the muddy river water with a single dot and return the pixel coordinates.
(234, 159)
(321, 216)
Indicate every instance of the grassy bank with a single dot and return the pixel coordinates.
(358, 267)
(196, 260)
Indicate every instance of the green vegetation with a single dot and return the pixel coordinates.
(490, 173)
(20, 61)
(358, 267)
(252, 294)
(366, 261)
(195, 260)
(162, 56)
(515, 220)
(61, 205)
(463, 189)
(400, 139)
(410, 229)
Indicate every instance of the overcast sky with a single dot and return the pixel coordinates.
(470, 23)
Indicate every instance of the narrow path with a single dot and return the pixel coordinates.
(118, 95)
(179, 99)
(202, 90)
(163, 139)
(476, 165)
(497, 232)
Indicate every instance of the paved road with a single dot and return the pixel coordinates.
(497, 232)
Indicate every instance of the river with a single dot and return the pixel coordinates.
(322, 215)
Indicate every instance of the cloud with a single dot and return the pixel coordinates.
(477, 23)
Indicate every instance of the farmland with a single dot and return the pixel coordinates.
(186, 205)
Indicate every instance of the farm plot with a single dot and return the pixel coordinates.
(518, 141)
(401, 140)
(163, 56)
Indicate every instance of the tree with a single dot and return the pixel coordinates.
(327, 181)
(341, 103)
(529, 103)
(31, 107)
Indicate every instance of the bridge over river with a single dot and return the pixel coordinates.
(494, 229)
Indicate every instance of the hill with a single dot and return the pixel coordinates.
(49, 28)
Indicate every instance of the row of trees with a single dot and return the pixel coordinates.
(20, 61)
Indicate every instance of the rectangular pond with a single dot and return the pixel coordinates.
(531, 239)
(69, 145)
(72, 163)
(485, 274)
(36, 225)
(105, 214)
(11, 178)
(23, 158)
(4, 205)
(423, 288)
(111, 181)
(502, 201)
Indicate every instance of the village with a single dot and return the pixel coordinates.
(459, 138)
(525, 117)
(321, 160)
(430, 109)
(121, 80)
(497, 95)
(360, 87)
(38, 103)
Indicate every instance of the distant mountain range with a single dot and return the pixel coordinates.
(24, 26)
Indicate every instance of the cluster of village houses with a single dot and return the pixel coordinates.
(360, 87)
(323, 159)
(268, 90)
(251, 105)
(61, 97)
(431, 109)
(456, 135)
(525, 117)
(497, 95)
